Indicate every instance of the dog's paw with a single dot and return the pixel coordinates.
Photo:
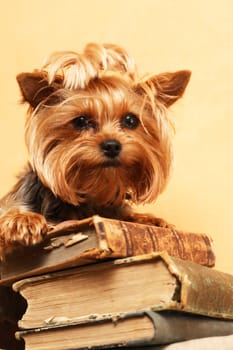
(18, 228)
(149, 219)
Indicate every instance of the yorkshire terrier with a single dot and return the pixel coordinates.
(99, 140)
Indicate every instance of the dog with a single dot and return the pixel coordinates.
(99, 139)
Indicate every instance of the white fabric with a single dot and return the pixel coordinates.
(212, 343)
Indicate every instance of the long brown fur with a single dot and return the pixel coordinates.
(71, 171)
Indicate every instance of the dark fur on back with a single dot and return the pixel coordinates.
(40, 199)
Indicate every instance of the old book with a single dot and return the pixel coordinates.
(155, 281)
(75, 243)
(129, 329)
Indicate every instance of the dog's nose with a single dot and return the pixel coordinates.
(111, 148)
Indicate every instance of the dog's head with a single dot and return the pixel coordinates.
(95, 131)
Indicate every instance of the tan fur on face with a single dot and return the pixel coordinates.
(101, 83)
(71, 163)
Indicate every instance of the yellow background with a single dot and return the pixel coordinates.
(162, 35)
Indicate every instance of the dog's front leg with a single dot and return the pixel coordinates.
(20, 228)
(148, 219)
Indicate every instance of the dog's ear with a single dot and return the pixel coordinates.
(168, 87)
(35, 87)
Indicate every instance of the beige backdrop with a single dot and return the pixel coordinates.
(163, 35)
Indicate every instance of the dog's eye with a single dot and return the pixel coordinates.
(83, 122)
(130, 121)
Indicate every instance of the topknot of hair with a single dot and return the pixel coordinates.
(78, 69)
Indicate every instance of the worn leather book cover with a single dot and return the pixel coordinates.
(154, 281)
(75, 243)
(135, 329)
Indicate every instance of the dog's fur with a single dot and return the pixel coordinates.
(98, 137)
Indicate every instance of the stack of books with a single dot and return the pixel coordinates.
(105, 284)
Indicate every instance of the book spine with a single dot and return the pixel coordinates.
(202, 290)
(122, 239)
